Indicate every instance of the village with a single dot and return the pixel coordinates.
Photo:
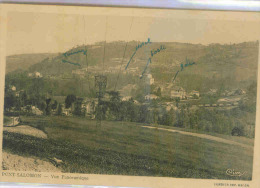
(170, 97)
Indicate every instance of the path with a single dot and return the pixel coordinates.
(205, 136)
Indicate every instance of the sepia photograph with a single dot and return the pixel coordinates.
(129, 95)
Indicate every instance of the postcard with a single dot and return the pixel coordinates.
(129, 97)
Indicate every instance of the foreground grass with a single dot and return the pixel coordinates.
(128, 149)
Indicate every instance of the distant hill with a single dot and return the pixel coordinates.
(174, 53)
(227, 66)
(24, 61)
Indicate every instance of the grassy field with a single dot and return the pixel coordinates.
(128, 149)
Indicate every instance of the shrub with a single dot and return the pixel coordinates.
(237, 131)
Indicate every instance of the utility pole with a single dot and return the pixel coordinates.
(100, 84)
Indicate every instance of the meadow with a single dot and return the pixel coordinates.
(125, 148)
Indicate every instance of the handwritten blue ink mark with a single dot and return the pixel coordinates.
(175, 75)
(158, 50)
(188, 63)
(65, 61)
(149, 61)
(136, 48)
(153, 52)
(66, 54)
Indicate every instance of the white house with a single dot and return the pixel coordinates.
(126, 98)
(151, 97)
(13, 88)
(149, 79)
(35, 75)
(197, 93)
(178, 93)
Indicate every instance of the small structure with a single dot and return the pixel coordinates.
(35, 75)
(66, 111)
(149, 79)
(151, 97)
(197, 93)
(178, 93)
(239, 92)
(126, 98)
(13, 88)
(36, 111)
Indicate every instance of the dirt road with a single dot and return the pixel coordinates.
(205, 136)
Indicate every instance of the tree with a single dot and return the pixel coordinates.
(114, 104)
(78, 105)
(237, 131)
(24, 99)
(42, 106)
(59, 112)
(132, 110)
(177, 100)
(9, 101)
(54, 105)
(159, 93)
(143, 114)
(69, 100)
(48, 107)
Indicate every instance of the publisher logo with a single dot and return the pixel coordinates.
(233, 172)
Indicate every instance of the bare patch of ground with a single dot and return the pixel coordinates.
(26, 130)
(19, 163)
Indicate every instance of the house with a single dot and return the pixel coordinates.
(136, 102)
(36, 111)
(171, 106)
(14, 121)
(197, 93)
(13, 88)
(89, 106)
(151, 97)
(32, 110)
(239, 92)
(35, 75)
(66, 112)
(178, 93)
(126, 98)
(149, 79)
(19, 93)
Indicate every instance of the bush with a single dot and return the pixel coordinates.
(238, 131)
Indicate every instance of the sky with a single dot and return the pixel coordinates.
(29, 32)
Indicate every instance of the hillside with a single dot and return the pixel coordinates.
(24, 61)
(234, 64)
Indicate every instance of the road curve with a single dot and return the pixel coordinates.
(205, 136)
